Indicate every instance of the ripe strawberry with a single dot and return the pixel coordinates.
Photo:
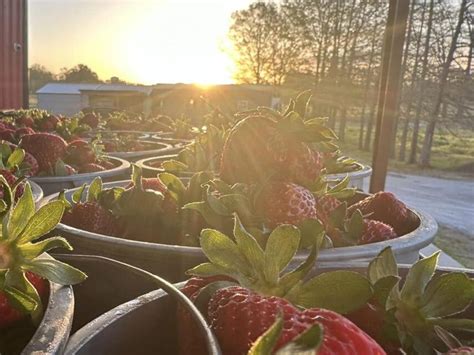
(376, 231)
(8, 135)
(232, 315)
(90, 168)
(11, 179)
(169, 203)
(80, 152)
(10, 315)
(47, 148)
(110, 146)
(48, 123)
(297, 162)
(90, 119)
(25, 121)
(92, 217)
(20, 132)
(29, 166)
(324, 206)
(283, 203)
(385, 207)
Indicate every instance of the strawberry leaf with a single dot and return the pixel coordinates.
(15, 158)
(33, 250)
(94, 190)
(42, 222)
(206, 293)
(383, 287)
(383, 265)
(20, 300)
(55, 271)
(211, 217)
(465, 325)
(174, 166)
(21, 213)
(265, 343)
(307, 343)
(447, 295)
(339, 291)
(77, 195)
(301, 103)
(209, 269)
(312, 233)
(418, 277)
(281, 247)
(174, 185)
(291, 279)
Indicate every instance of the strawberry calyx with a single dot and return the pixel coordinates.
(266, 271)
(20, 252)
(425, 305)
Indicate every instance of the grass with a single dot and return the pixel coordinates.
(456, 244)
(450, 157)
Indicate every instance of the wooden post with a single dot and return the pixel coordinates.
(394, 39)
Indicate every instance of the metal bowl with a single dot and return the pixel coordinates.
(356, 178)
(171, 261)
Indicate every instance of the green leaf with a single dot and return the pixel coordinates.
(290, 108)
(338, 216)
(249, 247)
(174, 185)
(21, 213)
(33, 250)
(281, 247)
(211, 217)
(383, 265)
(447, 338)
(447, 295)
(15, 158)
(16, 279)
(465, 325)
(291, 279)
(383, 288)
(339, 291)
(222, 251)
(55, 271)
(312, 233)
(206, 293)
(418, 277)
(94, 190)
(42, 222)
(174, 166)
(265, 343)
(20, 300)
(63, 199)
(216, 205)
(195, 186)
(302, 101)
(355, 226)
(307, 343)
(77, 195)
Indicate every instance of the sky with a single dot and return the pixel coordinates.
(140, 41)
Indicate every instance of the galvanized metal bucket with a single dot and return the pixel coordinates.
(160, 148)
(356, 178)
(128, 322)
(171, 261)
(152, 171)
(52, 184)
(37, 192)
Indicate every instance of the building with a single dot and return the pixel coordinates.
(70, 98)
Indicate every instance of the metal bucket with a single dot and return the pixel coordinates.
(161, 148)
(140, 134)
(171, 261)
(37, 192)
(152, 326)
(52, 333)
(356, 178)
(151, 171)
(52, 184)
(150, 320)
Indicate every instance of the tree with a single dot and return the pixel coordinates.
(39, 76)
(81, 73)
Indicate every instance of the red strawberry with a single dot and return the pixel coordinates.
(80, 152)
(376, 231)
(20, 132)
(92, 217)
(8, 314)
(110, 146)
(90, 119)
(25, 121)
(239, 316)
(11, 179)
(298, 163)
(90, 168)
(47, 148)
(107, 164)
(169, 203)
(29, 165)
(325, 205)
(385, 207)
(8, 135)
(49, 123)
(283, 203)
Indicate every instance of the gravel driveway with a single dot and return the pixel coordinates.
(450, 202)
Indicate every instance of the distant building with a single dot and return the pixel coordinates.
(169, 99)
(71, 98)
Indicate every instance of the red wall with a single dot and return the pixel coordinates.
(12, 57)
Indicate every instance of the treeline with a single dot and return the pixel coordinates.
(335, 47)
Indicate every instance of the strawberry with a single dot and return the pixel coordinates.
(80, 152)
(169, 203)
(376, 231)
(90, 168)
(326, 204)
(29, 166)
(22, 259)
(385, 207)
(25, 121)
(47, 148)
(286, 203)
(107, 164)
(49, 123)
(8, 135)
(11, 180)
(110, 146)
(463, 350)
(20, 132)
(92, 217)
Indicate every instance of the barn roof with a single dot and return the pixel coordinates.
(76, 88)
